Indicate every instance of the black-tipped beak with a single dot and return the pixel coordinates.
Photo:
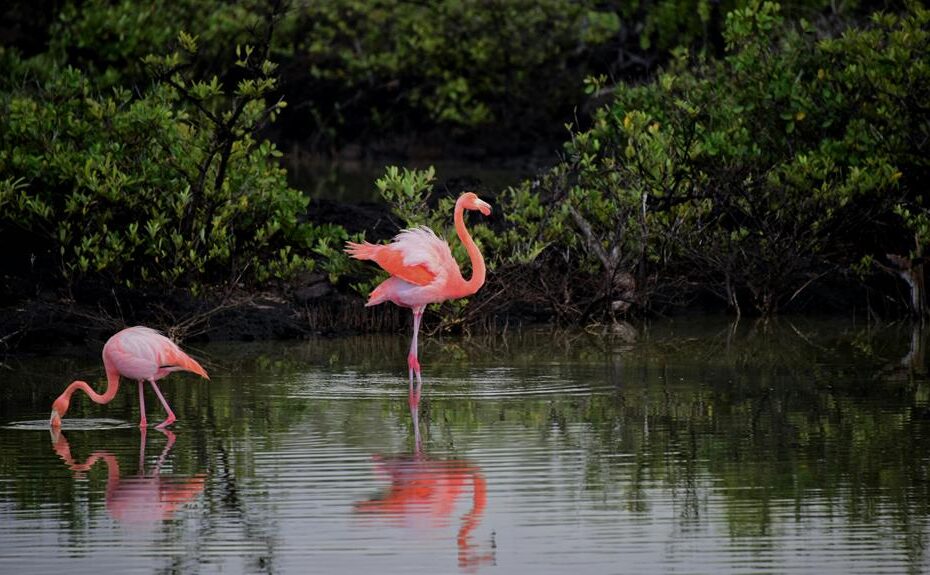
(484, 207)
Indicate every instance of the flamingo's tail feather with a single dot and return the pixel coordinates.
(195, 367)
(362, 251)
(186, 363)
(377, 295)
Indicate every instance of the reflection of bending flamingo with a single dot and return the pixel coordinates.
(142, 499)
(420, 485)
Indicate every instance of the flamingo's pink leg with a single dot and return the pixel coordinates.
(171, 418)
(413, 363)
(142, 421)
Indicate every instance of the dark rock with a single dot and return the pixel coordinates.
(311, 292)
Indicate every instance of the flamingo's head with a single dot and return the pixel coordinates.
(59, 408)
(471, 201)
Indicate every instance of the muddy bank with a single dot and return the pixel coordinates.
(313, 309)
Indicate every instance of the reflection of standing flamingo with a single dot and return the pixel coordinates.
(143, 499)
(139, 353)
(423, 270)
(420, 486)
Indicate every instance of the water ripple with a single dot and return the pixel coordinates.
(497, 384)
(70, 424)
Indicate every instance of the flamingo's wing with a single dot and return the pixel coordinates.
(416, 255)
(422, 248)
(392, 261)
(132, 354)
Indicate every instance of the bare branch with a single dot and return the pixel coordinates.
(590, 241)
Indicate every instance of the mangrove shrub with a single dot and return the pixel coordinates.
(164, 188)
(795, 159)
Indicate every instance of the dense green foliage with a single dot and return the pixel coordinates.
(360, 69)
(459, 65)
(170, 185)
(793, 158)
(768, 155)
(506, 73)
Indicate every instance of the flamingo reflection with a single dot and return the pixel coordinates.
(421, 486)
(144, 499)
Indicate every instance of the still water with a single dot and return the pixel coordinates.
(700, 447)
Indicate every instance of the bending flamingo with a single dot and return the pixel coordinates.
(423, 271)
(139, 353)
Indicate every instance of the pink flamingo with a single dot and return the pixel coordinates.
(423, 271)
(139, 353)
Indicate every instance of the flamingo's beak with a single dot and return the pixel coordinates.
(55, 420)
(483, 207)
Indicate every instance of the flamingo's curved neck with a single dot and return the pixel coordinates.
(106, 397)
(472, 285)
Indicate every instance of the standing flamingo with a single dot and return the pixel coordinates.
(139, 353)
(423, 271)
